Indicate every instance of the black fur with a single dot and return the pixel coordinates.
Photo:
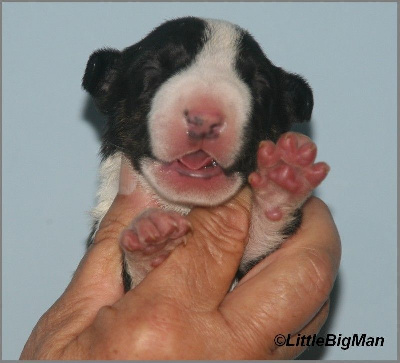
(133, 79)
(93, 231)
(100, 72)
(279, 99)
(123, 84)
(291, 228)
(126, 278)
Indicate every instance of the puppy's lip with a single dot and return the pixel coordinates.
(197, 160)
(196, 164)
(207, 171)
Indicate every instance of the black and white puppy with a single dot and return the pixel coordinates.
(188, 107)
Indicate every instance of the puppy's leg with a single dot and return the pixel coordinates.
(284, 179)
(149, 240)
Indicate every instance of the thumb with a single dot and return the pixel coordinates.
(99, 272)
(202, 271)
(97, 281)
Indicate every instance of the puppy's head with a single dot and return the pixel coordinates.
(189, 104)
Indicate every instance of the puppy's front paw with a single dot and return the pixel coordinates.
(149, 240)
(286, 174)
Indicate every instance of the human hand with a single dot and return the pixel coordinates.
(182, 309)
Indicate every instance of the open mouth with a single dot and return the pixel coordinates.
(198, 164)
(196, 178)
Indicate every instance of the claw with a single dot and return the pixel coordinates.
(306, 154)
(288, 142)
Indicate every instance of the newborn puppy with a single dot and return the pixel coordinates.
(198, 110)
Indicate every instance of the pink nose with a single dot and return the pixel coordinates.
(203, 124)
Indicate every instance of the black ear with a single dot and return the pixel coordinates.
(100, 72)
(297, 97)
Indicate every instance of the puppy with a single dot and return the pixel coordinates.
(198, 110)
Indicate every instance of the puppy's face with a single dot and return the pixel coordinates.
(189, 104)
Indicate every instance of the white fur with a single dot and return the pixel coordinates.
(109, 176)
(265, 235)
(211, 78)
(212, 75)
(210, 197)
(109, 182)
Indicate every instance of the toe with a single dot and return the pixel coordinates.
(317, 173)
(285, 176)
(129, 241)
(151, 249)
(306, 154)
(288, 143)
(184, 227)
(146, 230)
(165, 223)
(255, 180)
(266, 154)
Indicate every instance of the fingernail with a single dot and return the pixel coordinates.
(127, 178)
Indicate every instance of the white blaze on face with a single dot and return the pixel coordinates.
(210, 82)
(210, 86)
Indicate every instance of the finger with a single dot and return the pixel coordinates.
(97, 281)
(289, 286)
(197, 275)
(313, 327)
(202, 271)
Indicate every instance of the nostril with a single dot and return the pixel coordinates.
(216, 124)
(195, 120)
(204, 126)
(210, 115)
(216, 127)
(207, 119)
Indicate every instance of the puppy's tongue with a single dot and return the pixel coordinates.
(196, 160)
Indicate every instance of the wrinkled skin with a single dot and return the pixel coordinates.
(182, 309)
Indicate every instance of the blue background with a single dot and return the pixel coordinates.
(347, 51)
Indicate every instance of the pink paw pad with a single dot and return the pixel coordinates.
(154, 233)
(286, 172)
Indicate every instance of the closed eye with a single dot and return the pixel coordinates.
(150, 68)
(261, 82)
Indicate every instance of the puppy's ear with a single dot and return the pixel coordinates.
(297, 97)
(101, 70)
